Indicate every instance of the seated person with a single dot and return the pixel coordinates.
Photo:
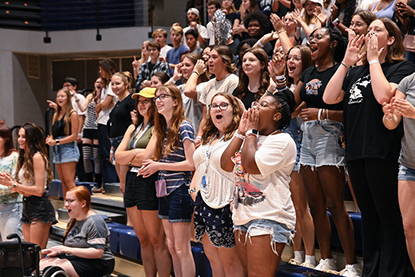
(86, 249)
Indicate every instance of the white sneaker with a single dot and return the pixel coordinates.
(308, 264)
(294, 261)
(327, 265)
(351, 270)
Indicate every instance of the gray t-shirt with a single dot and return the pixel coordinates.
(90, 232)
(407, 156)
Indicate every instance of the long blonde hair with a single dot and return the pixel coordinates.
(160, 124)
(69, 110)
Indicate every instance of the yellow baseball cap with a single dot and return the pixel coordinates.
(145, 92)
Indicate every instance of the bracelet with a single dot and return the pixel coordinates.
(77, 100)
(111, 151)
(327, 113)
(343, 64)
(172, 80)
(135, 69)
(280, 78)
(319, 114)
(280, 31)
(79, 134)
(238, 135)
(388, 118)
(374, 61)
(260, 44)
(198, 138)
(197, 73)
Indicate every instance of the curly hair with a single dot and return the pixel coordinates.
(285, 105)
(35, 143)
(160, 124)
(258, 16)
(264, 80)
(348, 12)
(210, 130)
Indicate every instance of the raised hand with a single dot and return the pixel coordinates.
(352, 55)
(277, 23)
(321, 15)
(372, 47)
(200, 66)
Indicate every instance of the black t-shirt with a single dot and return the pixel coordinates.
(249, 97)
(233, 16)
(314, 84)
(120, 117)
(366, 136)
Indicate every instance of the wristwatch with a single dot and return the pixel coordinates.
(57, 141)
(251, 132)
(191, 190)
(14, 186)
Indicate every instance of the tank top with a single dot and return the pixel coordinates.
(58, 128)
(141, 140)
(91, 117)
(386, 12)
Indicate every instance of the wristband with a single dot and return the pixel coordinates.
(135, 69)
(319, 114)
(172, 80)
(335, 22)
(374, 61)
(197, 73)
(260, 44)
(112, 152)
(198, 138)
(252, 132)
(77, 100)
(79, 134)
(238, 135)
(343, 64)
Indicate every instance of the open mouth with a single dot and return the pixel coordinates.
(69, 210)
(219, 116)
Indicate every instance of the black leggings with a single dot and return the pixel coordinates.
(375, 183)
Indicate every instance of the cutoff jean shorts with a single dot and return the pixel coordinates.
(406, 173)
(322, 143)
(65, 153)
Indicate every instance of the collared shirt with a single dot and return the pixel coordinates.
(146, 71)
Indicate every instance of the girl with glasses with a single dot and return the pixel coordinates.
(170, 151)
(140, 193)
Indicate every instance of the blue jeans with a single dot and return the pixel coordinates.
(109, 175)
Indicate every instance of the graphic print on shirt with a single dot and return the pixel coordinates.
(246, 193)
(312, 86)
(356, 96)
(75, 231)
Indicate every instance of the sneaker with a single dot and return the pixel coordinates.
(327, 265)
(307, 264)
(294, 261)
(98, 190)
(351, 270)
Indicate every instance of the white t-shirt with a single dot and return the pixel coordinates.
(227, 85)
(267, 195)
(193, 109)
(75, 104)
(202, 32)
(219, 189)
(104, 115)
(211, 33)
(163, 51)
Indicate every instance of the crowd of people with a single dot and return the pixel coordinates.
(244, 131)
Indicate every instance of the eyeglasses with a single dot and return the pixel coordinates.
(316, 37)
(161, 97)
(263, 104)
(143, 102)
(294, 58)
(69, 201)
(222, 106)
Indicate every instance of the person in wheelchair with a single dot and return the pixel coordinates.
(86, 247)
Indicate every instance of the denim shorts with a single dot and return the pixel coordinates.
(295, 132)
(406, 173)
(216, 223)
(177, 206)
(115, 142)
(37, 208)
(65, 153)
(322, 143)
(279, 232)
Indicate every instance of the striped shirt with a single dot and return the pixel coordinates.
(175, 179)
(91, 117)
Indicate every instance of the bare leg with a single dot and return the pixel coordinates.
(39, 233)
(305, 226)
(332, 181)
(63, 263)
(67, 173)
(267, 264)
(406, 194)
(241, 249)
(317, 202)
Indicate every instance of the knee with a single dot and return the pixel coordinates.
(409, 229)
(157, 242)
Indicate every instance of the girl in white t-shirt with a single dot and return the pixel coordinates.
(263, 212)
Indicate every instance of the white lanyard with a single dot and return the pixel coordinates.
(134, 141)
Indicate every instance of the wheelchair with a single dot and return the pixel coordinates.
(19, 258)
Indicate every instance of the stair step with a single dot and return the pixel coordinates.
(113, 189)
